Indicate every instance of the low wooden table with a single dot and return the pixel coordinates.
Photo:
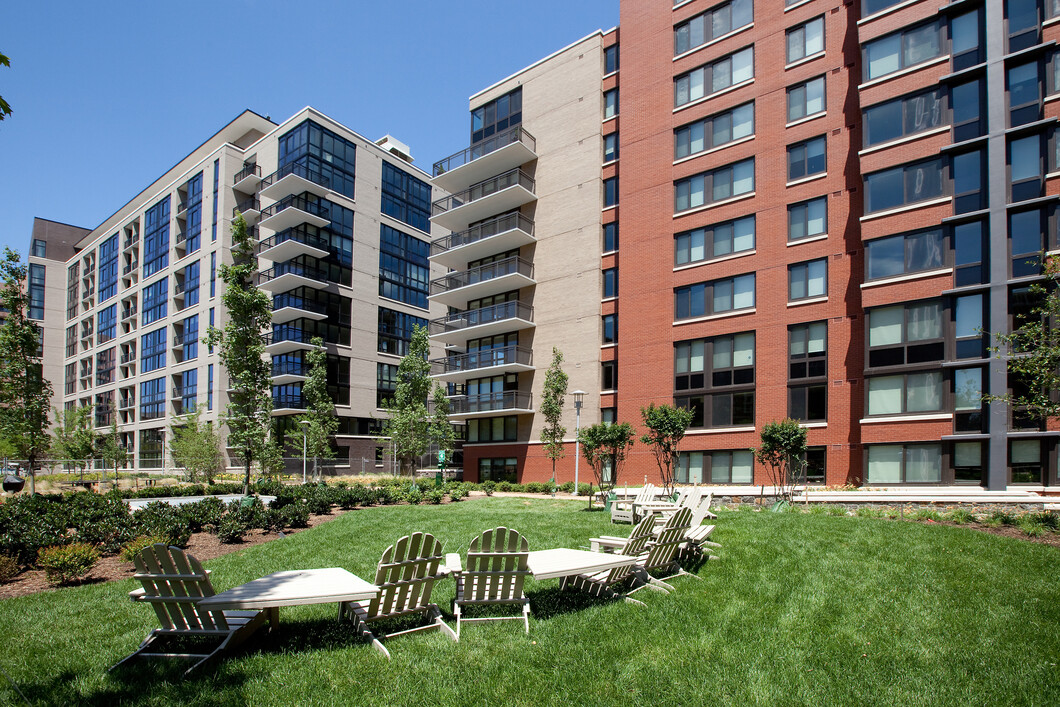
(293, 588)
(565, 562)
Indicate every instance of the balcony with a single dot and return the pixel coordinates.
(288, 403)
(282, 277)
(291, 244)
(287, 372)
(483, 404)
(497, 235)
(128, 358)
(293, 211)
(179, 393)
(126, 403)
(250, 208)
(128, 313)
(181, 340)
(456, 328)
(294, 178)
(455, 289)
(500, 153)
(131, 241)
(182, 209)
(288, 339)
(508, 359)
(130, 269)
(505, 192)
(247, 179)
(287, 307)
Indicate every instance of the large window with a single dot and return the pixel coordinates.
(715, 131)
(106, 323)
(193, 215)
(808, 371)
(1023, 18)
(385, 383)
(968, 170)
(905, 393)
(153, 350)
(716, 185)
(610, 59)
(610, 103)
(904, 464)
(967, 106)
(320, 154)
(152, 442)
(897, 118)
(610, 282)
(153, 399)
(717, 297)
(105, 366)
(1025, 167)
(156, 238)
(806, 159)
(806, 99)
(498, 469)
(108, 268)
(1026, 242)
(190, 337)
(608, 375)
(610, 328)
(808, 280)
(497, 115)
(714, 23)
(906, 334)
(901, 50)
(610, 192)
(611, 147)
(35, 310)
(155, 300)
(717, 467)
(191, 284)
(968, 252)
(395, 331)
(715, 379)
(907, 184)
(404, 271)
(406, 198)
(716, 76)
(714, 241)
(805, 40)
(611, 237)
(39, 248)
(808, 219)
(903, 254)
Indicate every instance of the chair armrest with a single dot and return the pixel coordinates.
(452, 562)
(137, 594)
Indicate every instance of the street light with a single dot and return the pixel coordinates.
(578, 396)
(304, 437)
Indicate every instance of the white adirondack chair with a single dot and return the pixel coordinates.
(494, 574)
(624, 510)
(173, 582)
(698, 535)
(603, 584)
(405, 576)
(661, 554)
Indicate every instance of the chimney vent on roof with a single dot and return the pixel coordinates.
(395, 147)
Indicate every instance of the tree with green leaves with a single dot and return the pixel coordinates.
(109, 447)
(666, 426)
(318, 423)
(195, 445)
(410, 428)
(241, 348)
(551, 408)
(604, 446)
(25, 394)
(75, 438)
(5, 108)
(783, 454)
(441, 430)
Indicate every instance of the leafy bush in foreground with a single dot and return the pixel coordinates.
(65, 564)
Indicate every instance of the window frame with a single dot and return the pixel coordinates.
(804, 87)
(805, 206)
(705, 291)
(684, 242)
(806, 271)
(807, 162)
(792, 41)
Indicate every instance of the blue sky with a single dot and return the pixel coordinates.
(109, 95)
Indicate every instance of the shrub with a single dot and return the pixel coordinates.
(998, 518)
(836, 511)
(1030, 526)
(434, 496)
(275, 520)
(65, 564)
(356, 495)
(504, 486)
(163, 520)
(538, 487)
(206, 513)
(319, 502)
(819, 509)
(457, 493)
(231, 529)
(8, 568)
(927, 514)
(1047, 519)
(296, 515)
(960, 516)
(132, 548)
(868, 512)
(414, 496)
(567, 487)
(585, 489)
(488, 487)
(389, 494)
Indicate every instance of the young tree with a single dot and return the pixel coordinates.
(108, 445)
(25, 395)
(242, 352)
(75, 440)
(551, 408)
(196, 447)
(783, 454)
(604, 446)
(411, 429)
(318, 422)
(441, 430)
(666, 428)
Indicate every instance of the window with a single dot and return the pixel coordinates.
(871, 7)
(385, 383)
(966, 104)
(155, 299)
(806, 99)
(71, 340)
(611, 282)
(497, 115)
(493, 429)
(610, 326)
(108, 268)
(720, 467)
(610, 103)
(904, 463)
(36, 292)
(905, 393)
(153, 399)
(806, 159)
(153, 350)
(193, 213)
(1025, 167)
(1022, 18)
(1024, 93)
(39, 248)
(608, 375)
(216, 184)
(210, 325)
(808, 219)
(608, 415)
(903, 254)
(968, 254)
(189, 389)
(901, 50)
(190, 337)
(312, 151)
(808, 371)
(406, 198)
(805, 40)
(895, 119)
(105, 366)
(964, 40)
(506, 469)
(968, 399)
(209, 387)
(719, 296)
(969, 327)
(717, 185)
(395, 331)
(106, 324)
(907, 184)
(806, 280)
(968, 462)
(1026, 235)
(213, 274)
(717, 76)
(611, 147)
(191, 284)
(715, 379)
(611, 237)
(610, 192)
(715, 241)
(1025, 461)
(906, 334)
(969, 179)
(610, 59)
(156, 238)
(715, 131)
(404, 271)
(711, 25)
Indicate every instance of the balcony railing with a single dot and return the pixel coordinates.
(289, 368)
(279, 336)
(251, 204)
(298, 169)
(128, 313)
(130, 242)
(127, 358)
(297, 202)
(178, 289)
(289, 268)
(179, 393)
(513, 265)
(294, 401)
(297, 235)
(184, 339)
(484, 359)
(483, 148)
(476, 317)
(182, 207)
(486, 229)
(248, 171)
(493, 185)
(286, 299)
(490, 402)
(126, 403)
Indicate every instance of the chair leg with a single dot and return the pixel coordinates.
(146, 643)
(443, 626)
(631, 600)
(526, 616)
(456, 611)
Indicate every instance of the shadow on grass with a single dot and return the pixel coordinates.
(550, 602)
(134, 682)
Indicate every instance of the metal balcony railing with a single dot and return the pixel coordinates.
(130, 241)
(513, 265)
(483, 359)
(247, 171)
(251, 204)
(475, 317)
(295, 302)
(289, 368)
(296, 202)
(289, 401)
(128, 313)
(130, 268)
(490, 402)
(289, 268)
(278, 336)
(486, 229)
(485, 147)
(127, 358)
(299, 169)
(483, 189)
(184, 339)
(297, 235)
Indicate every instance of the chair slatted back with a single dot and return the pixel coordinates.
(173, 581)
(647, 494)
(700, 509)
(406, 575)
(683, 493)
(661, 553)
(496, 567)
(634, 546)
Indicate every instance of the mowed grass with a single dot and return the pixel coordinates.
(801, 609)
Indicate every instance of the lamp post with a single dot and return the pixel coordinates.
(578, 396)
(304, 438)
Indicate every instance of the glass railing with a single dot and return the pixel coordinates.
(131, 241)
(508, 266)
(490, 402)
(476, 317)
(301, 336)
(298, 169)
(247, 171)
(486, 229)
(128, 313)
(475, 360)
(295, 202)
(483, 189)
(485, 147)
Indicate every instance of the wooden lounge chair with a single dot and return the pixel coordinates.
(602, 584)
(495, 574)
(173, 582)
(697, 536)
(614, 543)
(661, 554)
(625, 511)
(405, 576)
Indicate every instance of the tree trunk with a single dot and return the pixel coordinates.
(246, 478)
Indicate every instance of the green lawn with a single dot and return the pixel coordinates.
(800, 609)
